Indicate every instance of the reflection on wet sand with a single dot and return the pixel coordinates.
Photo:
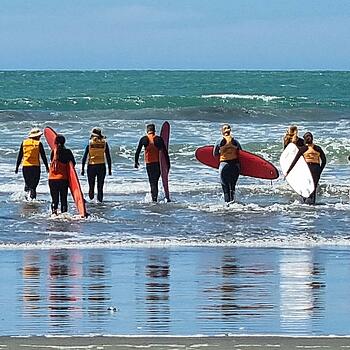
(156, 294)
(64, 289)
(157, 291)
(63, 292)
(236, 291)
(31, 284)
(300, 291)
(98, 285)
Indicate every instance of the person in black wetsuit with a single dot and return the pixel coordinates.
(97, 152)
(29, 154)
(315, 159)
(227, 148)
(58, 174)
(292, 136)
(153, 144)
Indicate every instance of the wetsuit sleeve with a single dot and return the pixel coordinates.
(139, 147)
(238, 145)
(19, 157)
(43, 155)
(322, 156)
(85, 157)
(108, 158)
(298, 155)
(70, 156)
(216, 150)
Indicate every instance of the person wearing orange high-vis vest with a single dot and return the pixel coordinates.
(58, 174)
(227, 148)
(29, 155)
(315, 159)
(153, 144)
(97, 153)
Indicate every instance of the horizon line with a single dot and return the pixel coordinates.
(176, 69)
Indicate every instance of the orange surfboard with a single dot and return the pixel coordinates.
(73, 180)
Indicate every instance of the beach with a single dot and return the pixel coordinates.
(219, 342)
(265, 270)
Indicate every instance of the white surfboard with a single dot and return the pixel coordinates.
(299, 178)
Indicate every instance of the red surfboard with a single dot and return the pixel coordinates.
(73, 180)
(164, 170)
(250, 164)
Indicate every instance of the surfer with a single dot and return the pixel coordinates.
(29, 154)
(153, 144)
(227, 148)
(58, 174)
(292, 136)
(97, 153)
(315, 159)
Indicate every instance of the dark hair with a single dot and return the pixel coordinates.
(308, 135)
(151, 128)
(60, 140)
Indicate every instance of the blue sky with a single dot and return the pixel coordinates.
(177, 34)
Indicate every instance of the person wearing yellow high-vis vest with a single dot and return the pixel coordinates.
(97, 153)
(316, 161)
(29, 155)
(227, 148)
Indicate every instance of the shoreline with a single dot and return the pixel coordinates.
(176, 342)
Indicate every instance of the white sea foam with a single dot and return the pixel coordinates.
(76, 241)
(243, 97)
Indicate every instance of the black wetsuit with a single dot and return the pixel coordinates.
(59, 188)
(315, 169)
(97, 171)
(31, 174)
(229, 171)
(153, 169)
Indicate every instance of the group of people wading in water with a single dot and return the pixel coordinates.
(97, 154)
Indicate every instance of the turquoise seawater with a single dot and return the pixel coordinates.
(231, 90)
(243, 256)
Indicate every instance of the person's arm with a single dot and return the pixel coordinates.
(138, 151)
(216, 150)
(71, 157)
(84, 160)
(238, 145)
(43, 156)
(109, 160)
(323, 158)
(19, 158)
(298, 155)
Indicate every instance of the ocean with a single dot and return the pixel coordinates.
(266, 264)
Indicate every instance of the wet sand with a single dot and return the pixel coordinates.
(218, 342)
